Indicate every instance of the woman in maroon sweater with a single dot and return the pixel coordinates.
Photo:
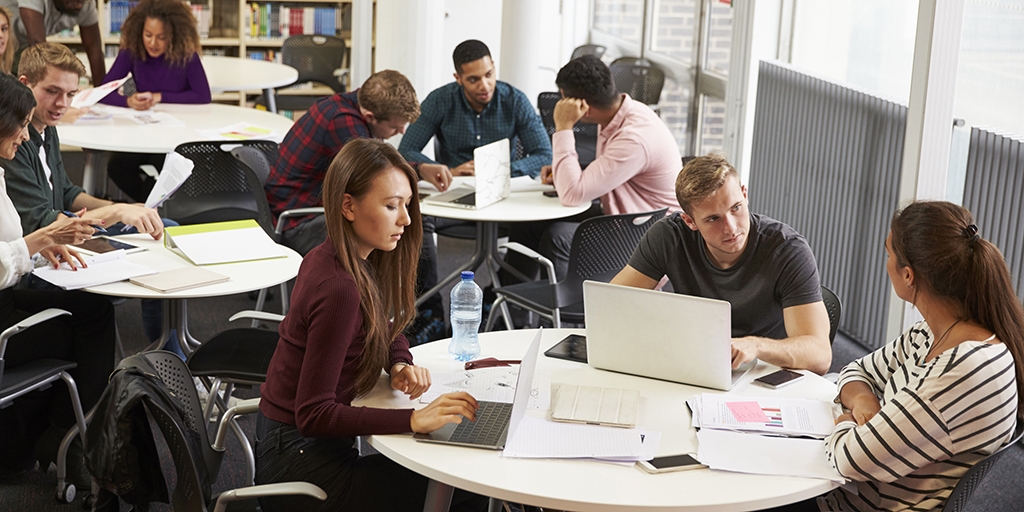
(337, 339)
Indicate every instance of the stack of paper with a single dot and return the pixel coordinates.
(222, 242)
(103, 269)
(536, 438)
(764, 435)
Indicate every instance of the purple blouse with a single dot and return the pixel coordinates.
(176, 84)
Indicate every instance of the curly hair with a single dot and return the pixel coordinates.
(389, 94)
(587, 78)
(179, 26)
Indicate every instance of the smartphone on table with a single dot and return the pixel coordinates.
(778, 379)
(669, 463)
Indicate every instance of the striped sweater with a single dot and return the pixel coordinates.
(938, 418)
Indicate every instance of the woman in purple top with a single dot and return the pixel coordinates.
(160, 48)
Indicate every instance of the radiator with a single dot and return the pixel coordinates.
(826, 160)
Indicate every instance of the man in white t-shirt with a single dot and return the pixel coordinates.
(33, 20)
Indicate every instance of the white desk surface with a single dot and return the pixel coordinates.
(587, 485)
(518, 207)
(244, 276)
(120, 134)
(237, 74)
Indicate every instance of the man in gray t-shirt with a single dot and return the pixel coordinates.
(716, 248)
(34, 20)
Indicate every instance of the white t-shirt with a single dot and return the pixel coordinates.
(53, 20)
(15, 260)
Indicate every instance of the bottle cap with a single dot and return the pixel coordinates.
(467, 274)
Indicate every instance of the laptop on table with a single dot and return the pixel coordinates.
(662, 335)
(495, 421)
(493, 169)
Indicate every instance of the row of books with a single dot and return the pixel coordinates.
(119, 10)
(267, 55)
(275, 21)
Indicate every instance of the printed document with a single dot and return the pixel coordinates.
(763, 415)
(176, 170)
(103, 269)
(92, 96)
(538, 438)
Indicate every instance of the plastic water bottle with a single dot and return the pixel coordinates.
(467, 309)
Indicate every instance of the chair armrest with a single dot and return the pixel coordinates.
(296, 212)
(258, 491)
(242, 407)
(256, 315)
(534, 255)
(35, 319)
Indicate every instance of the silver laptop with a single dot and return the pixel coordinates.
(495, 421)
(493, 169)
(661, 335)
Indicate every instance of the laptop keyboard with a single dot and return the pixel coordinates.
(491, 420)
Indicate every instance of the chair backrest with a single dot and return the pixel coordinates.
(834, 307)
(588, 49)
(258, 158)
(195, 462)
(961, 494)
(585, 133)
(641, 80)
(315, 57)
(221, 187)
(602, 246)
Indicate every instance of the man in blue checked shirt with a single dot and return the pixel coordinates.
(473, 111)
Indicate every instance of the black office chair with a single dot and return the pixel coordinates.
(972, 479)
(584, 133)
(198, 463)
(601, 247)
(317, 59)
(221, 188)
(834, 307)
(39, 375)
(588, 49)
(639, 78)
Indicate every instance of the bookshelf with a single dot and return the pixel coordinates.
(237, 28)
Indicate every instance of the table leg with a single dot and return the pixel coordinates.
(271, 100)
(439, 497)
(94, 175)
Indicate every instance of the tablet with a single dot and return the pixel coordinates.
(102, 244)
(573, 348)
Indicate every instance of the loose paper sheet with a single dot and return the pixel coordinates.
(176, 170)
(539, 438)
(104, 268)
(497, 384)
(764, 455)
(92, 96)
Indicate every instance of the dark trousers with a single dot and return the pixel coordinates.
(551, 238)
(86, 337)
(124, 170)
(352, 483)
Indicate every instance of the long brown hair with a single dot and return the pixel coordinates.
(7, 58)
(386, 279)
(179, 25)
(942, 244)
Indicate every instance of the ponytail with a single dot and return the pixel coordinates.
(940, 241)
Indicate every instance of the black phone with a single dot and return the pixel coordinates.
(670, 463)
(778, 379)
(550, 193)
(128, 88)
(573, 347)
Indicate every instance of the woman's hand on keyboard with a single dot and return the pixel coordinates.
(447, 408)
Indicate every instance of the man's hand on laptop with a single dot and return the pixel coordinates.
(744, 350)
(466, 169)
(445, 409)
(411, 380)
(437, 175)
(568, 111)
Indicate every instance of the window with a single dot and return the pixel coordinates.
(620, 18)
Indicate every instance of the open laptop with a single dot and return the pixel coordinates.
(495, 421)
(493, 169)
(662, 335)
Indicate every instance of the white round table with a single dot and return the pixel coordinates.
(587, 485)
(243, 276)
(123, 134)
(522, 206)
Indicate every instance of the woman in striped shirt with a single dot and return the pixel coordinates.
(945, 394)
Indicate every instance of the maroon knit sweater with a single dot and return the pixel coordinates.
(314, 368)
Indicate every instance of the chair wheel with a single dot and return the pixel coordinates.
(66, 494)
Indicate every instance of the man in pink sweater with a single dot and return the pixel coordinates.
(637, 156)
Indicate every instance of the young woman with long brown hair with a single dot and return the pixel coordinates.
(353, 297)
(945, 394)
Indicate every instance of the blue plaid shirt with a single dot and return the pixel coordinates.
(447, 114)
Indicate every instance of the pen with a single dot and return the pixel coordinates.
(68, 213)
